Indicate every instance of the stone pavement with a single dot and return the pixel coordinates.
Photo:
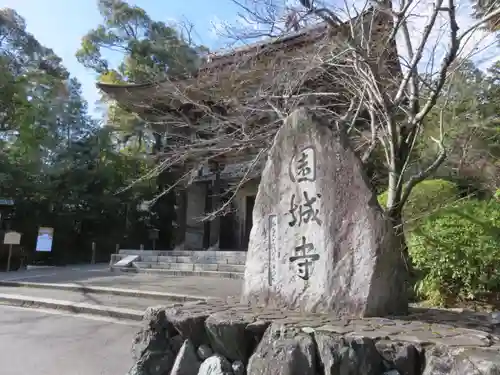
(421, 326)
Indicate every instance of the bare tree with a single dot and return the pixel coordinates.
(361, 68)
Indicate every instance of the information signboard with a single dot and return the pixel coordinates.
(44, 239)
(12, 238)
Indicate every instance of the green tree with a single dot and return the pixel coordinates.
(62, 167)
(26, 68)
(151, 50)
(470, 122)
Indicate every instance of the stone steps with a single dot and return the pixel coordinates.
(192, 266)
(223, 264)
(192, 259)
(181, 253)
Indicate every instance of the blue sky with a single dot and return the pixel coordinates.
(60, 24)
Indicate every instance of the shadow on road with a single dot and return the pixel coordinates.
(59, 275)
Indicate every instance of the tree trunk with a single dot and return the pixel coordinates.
(394, 212)
(396, 219)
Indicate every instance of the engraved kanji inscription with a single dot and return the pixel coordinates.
(304, 259)
(304, 212)
(303, 166)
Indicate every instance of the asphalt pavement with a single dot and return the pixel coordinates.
(58, 274)
(99, 299)
(56, 335)
(46, 343)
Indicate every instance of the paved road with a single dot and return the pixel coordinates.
(45, 343)
(99, 275)
(125, 302)
(57, 274)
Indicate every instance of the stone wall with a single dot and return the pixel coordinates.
(223, 337)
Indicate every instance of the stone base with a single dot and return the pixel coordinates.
(224, 337)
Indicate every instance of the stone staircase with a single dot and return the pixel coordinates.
(207, 263)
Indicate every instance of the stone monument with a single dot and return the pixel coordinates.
(320, 241)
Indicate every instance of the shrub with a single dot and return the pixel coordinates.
(457, 251)
(425, 198)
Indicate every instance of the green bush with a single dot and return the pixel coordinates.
(425, 198)
(457, 251)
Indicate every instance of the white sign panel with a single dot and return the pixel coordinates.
(44, 239)
(126, 261)
(12, 238)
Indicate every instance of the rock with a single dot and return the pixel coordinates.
(151, 348)
(155, 319)
(186, 362)
(176, 343)
(188, 324)
(319, 239)
(348, 355)
(283, 352)
(461, 361)
(204, 351)
(238, 368)
(153, 363)
(403, 358)
(215, 365)
(255, 331)
(227, 335)
(154, 335)
(258, 327)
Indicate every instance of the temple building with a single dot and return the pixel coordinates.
(176, 109)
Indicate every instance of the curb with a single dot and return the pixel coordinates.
(76, 308)
(174, 297)
(216, 274)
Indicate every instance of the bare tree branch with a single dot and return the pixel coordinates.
(351, 71)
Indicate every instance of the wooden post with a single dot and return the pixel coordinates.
(92, 261)
(9, 258)
(22, 267)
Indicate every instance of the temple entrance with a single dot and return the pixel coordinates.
(249, 205)
(227, 238)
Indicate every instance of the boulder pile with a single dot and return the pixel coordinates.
(207, 338)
